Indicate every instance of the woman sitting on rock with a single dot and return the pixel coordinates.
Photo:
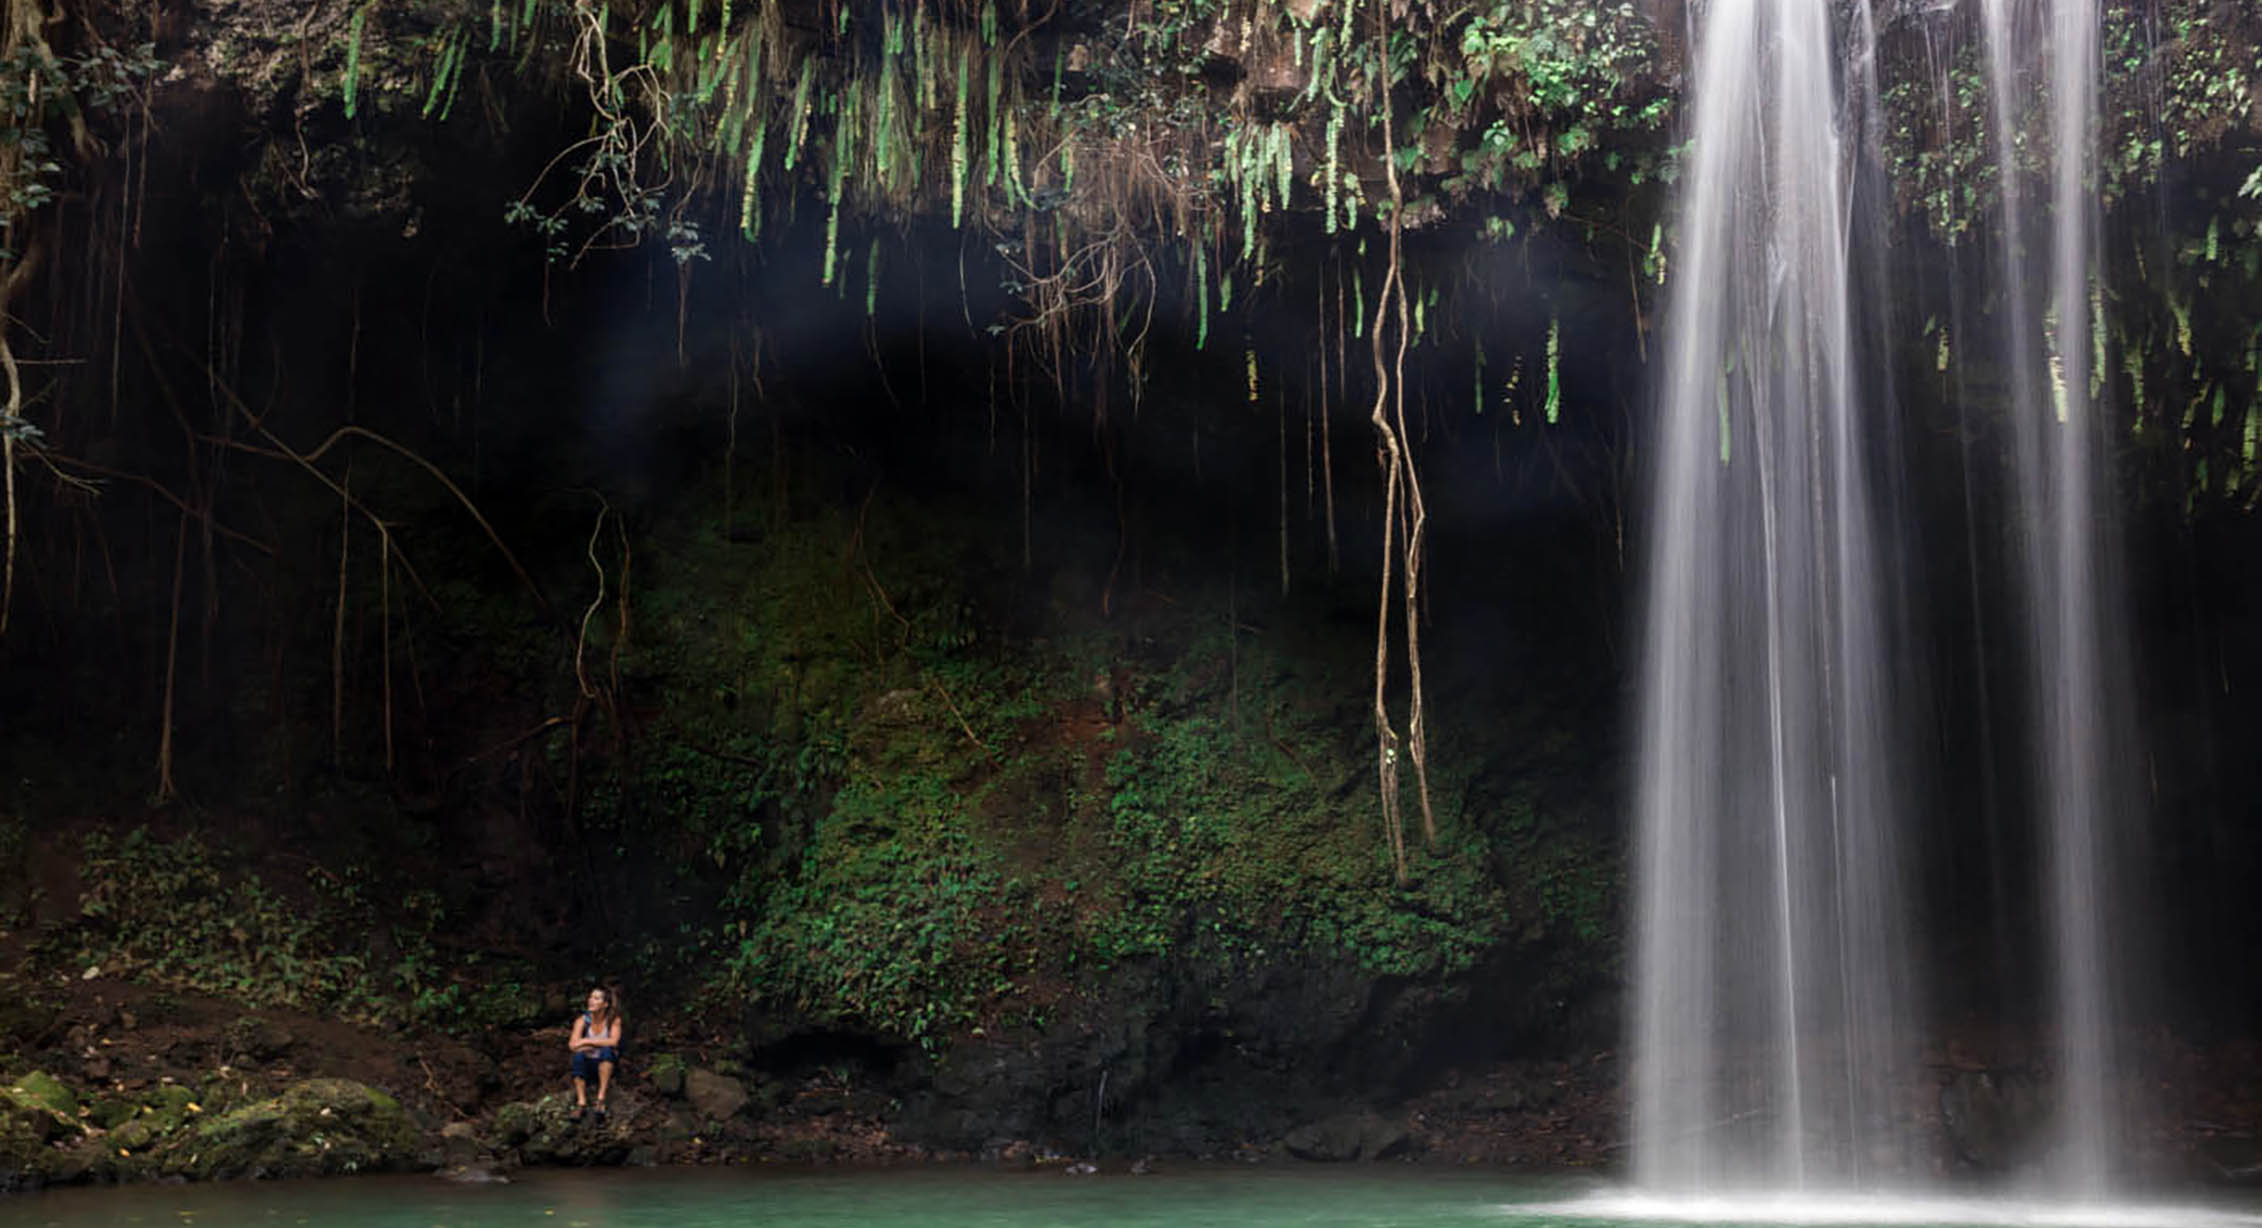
(596, 1047)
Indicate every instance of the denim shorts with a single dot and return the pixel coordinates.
(585, 1061)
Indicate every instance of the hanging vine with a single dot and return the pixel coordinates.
(1403, 515)
(40, 91)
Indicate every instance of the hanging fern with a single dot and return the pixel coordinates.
(1554, 370)
(797, 116)
(996, 130)
(353, 57)
(1201, 296)
(872, 281)
(749, 223)
(441, 96)
(960, 153)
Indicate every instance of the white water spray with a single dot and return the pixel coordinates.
(1773, 1003)
(2078, 683)
(1772, 1000)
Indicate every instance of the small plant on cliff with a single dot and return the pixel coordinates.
(169, 912)
(165, 911)
(890, 921)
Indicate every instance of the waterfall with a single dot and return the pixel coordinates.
(2078, 682)
(1773, 1015)
(1772, 1006)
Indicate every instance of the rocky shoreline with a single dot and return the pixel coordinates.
(108, 1082)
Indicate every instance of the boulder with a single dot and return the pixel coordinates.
(320, 1127)
(101, 1159)
(39, 1122)
(545, 1131)
(43, 1106)
(716, 1097)
(110, 1112)
(258, 1039)
(473, 1174)
(156, 1116)
(1382, 1138)
(2231, 1160)
(1348, 1136)
(1331, 1140)
(1992, 1118)
(26, 1160)
(459, 1144)
(667, 1073)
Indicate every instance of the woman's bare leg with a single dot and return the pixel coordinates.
(581, 1093)
(604, 1081)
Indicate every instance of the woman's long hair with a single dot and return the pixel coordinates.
(610, 1014)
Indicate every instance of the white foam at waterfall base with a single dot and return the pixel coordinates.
(1632, 1207)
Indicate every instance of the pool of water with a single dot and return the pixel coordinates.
(1188, 1197)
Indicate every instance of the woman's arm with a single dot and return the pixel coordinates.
(580, 1034)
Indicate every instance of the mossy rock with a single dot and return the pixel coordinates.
(168, 1108)
(511, 1122)
(26, 1160)
(666, 1074)
(47, 1092)
(320, 1127)
(545, 1132)
(110, 1112)
(136, 1135)
(102, 1160)
(217, 1093)
(43, 1104)
(160, 1114)
(257, 1038)
(38, 1114)
(530, 1118)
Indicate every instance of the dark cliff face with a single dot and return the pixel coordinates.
(702, 621)
(917, 590)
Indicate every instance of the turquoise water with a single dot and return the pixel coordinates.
(1187, 1197)
(1181, 1197)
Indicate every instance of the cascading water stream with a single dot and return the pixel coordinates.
(1772, 1003)
(2078, 685)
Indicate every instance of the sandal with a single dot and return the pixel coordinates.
(575, 1114)
(600, 1112)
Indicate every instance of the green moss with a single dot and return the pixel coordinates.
(180, 913)
(26, 1157)
(169, 910)
(40, 1090)
(110, 1112)
(159, 1114)
(517, 1121)
(41, 1105)
(318, 1127)
(666, 1072)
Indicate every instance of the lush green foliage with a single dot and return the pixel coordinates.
(921, 823)
(895, 917)
(168, 911)
(1199, 126)
(2179, 274)
(45, 97)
